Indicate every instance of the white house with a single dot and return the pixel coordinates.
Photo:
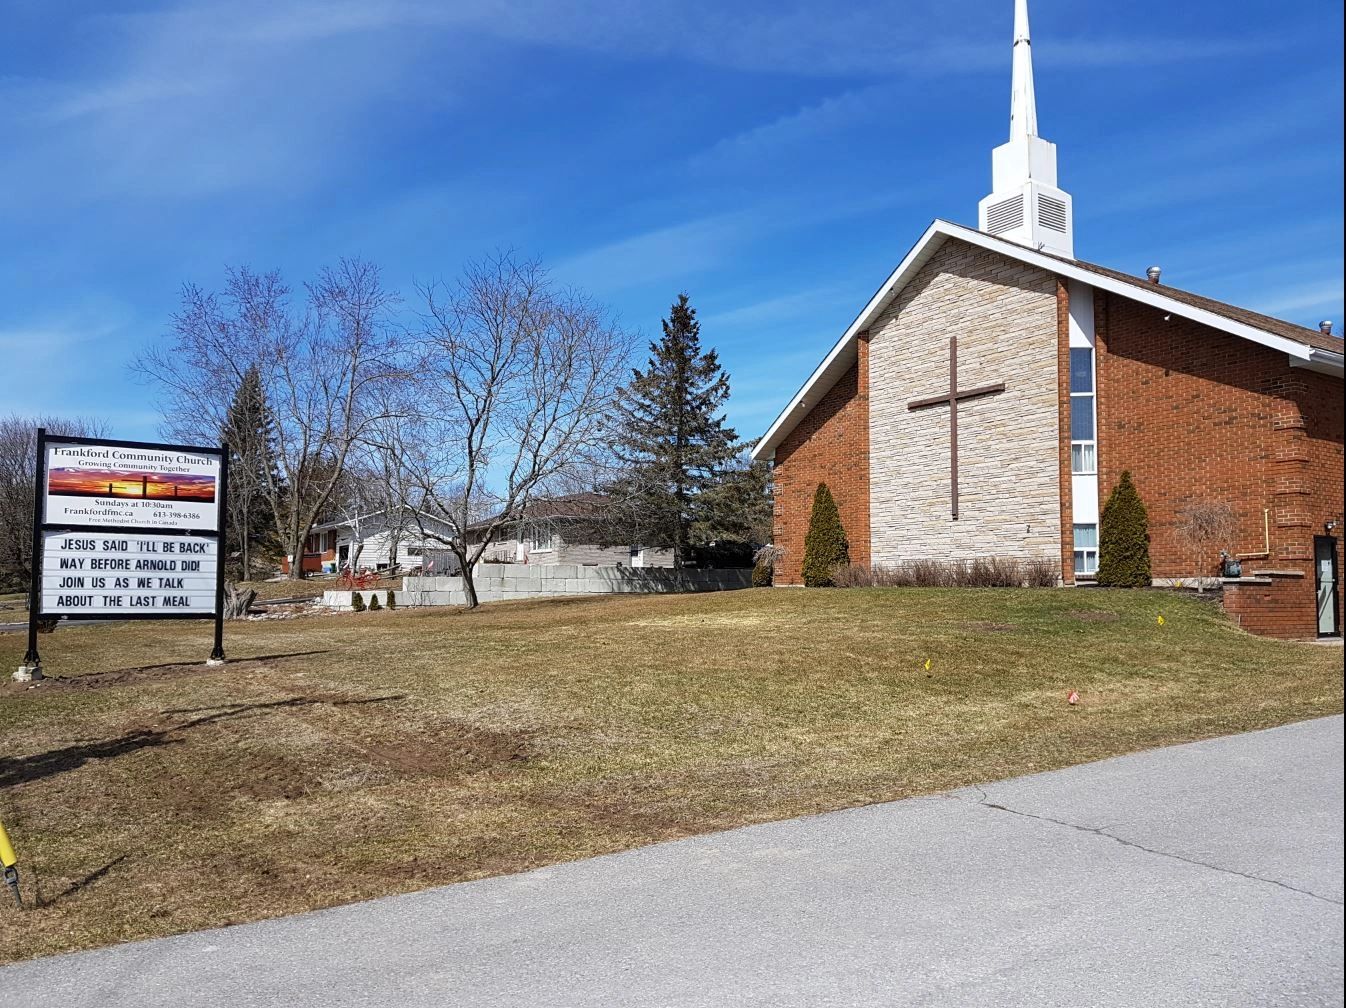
(377, 541)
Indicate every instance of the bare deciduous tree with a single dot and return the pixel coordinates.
(325, 369)
(515, 381)
(1205, 527)
(18, 466)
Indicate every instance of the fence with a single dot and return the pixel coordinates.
(499, 582)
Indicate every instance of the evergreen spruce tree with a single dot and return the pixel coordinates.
(250, 524)
(669, 433)
(825, 546)
(736, 508)
(1124, 539)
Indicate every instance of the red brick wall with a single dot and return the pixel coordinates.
(1197, 414)
(1272, 607)
(830, 445)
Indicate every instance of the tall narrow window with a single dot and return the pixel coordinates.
(1083, 436)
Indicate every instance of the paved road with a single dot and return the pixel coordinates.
(1206, 874)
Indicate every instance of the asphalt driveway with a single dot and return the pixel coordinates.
(1204, 874)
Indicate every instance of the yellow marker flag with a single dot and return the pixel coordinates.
(927, 665)
(1160, 620)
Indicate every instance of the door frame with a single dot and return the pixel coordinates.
(1336, 584)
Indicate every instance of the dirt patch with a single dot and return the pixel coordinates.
(453, 749)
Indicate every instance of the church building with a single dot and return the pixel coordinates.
(989, 397)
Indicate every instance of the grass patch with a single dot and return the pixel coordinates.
(348, 756)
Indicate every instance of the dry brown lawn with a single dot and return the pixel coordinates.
(348, 756)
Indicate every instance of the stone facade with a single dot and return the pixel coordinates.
(1004, 314)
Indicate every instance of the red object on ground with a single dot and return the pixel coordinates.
(1072, 697)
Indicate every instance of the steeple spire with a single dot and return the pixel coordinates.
(1023, 103)
(1025, 205)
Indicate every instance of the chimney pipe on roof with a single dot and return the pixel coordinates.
(1325, 327)
(1153, 273)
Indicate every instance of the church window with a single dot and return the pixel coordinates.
(1083, 437)
(1086, 549)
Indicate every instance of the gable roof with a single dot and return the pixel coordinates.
(351, 521)
(1305, 347)
(586, 504)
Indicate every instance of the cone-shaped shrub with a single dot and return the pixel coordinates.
(392, 599)
(825, 546)
(357, 602)
(374, 601)
(1124, 539)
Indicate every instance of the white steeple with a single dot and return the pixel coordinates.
(1025, 205)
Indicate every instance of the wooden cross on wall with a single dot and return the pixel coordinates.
(950, 398)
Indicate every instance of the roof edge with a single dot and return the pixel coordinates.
(1300, 354)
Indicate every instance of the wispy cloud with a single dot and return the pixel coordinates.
(782, 308)
(693, 247)
(806, 125)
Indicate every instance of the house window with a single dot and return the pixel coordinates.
(1086, 549)
(541, 538)
(1083, 435)
(413, 551)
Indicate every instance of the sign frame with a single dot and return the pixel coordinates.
(36, 615)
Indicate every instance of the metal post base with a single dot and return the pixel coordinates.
(213, 662)
(29, 673)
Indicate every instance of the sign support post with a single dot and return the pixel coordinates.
(217, 652)
(31, 669)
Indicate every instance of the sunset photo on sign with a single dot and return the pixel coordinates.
(131, 483)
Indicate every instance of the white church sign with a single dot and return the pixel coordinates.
(126, 530)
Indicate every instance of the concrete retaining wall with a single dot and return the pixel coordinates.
(498, 582)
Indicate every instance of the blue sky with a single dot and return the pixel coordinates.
(773, 160)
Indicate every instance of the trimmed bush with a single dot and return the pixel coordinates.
(825, 546)
(983, 572)
(1124, 538)
(374, 605)
(357, 602)
(392, 599)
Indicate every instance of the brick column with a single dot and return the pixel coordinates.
(1291, 508)
(857, 532)
(1063, 430)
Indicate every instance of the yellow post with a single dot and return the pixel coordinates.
(7, 861)
(7, 856)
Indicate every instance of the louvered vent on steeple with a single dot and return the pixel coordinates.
(1005, 215)
(1053, 213)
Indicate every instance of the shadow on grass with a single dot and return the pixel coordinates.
(78, 884)
(232, 661)
(25, 769)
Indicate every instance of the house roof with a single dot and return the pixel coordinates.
(576, 505)
(351, 522)
(1305, 347)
